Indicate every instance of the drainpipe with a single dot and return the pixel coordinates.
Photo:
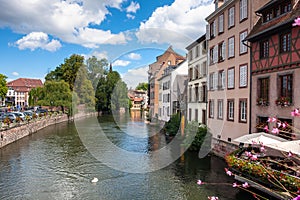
(250, 85)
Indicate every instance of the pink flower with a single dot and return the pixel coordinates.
(297, 22)
(275, 130)
(266, 128)
(234, 185)
(199, 182)
(295, 112)
(248, 154)
(254, 157)
(284, 125)
(297, 198)
(279, 124)
(213, 198)
(290, 154)
(245, 185)
(271, 119)
(262, 149)
(229, 173)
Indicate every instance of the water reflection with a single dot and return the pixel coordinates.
(53, 164)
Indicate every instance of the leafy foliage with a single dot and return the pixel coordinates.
(3, 87)
(96, 69)
(142, 86)
(172, 126)
(194, 136)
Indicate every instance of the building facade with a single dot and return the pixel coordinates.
(197, 81)
(229, 67)
(18, 91)
(275, 47)
(172, 91)
(155, 72)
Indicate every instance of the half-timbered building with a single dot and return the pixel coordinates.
(275, 67)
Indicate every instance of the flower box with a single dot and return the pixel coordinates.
(283, 101)
(262, 102)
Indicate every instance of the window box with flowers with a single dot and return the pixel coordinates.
(283, 101)
(262, 102)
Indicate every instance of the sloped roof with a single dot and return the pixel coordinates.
(24, 84)
(262, 29)
(170, 50)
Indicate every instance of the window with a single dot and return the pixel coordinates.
(264, 49)
(263, 89)
(210, 81)
(220, 109)
(243, 9)
(211, 108)
(191, 73)
(196, 93)
(196, 115)
(190, 114)
(243, 48)
(197, 51)
(268, 15)
(190, 94)
(231, 47)
(196, 72)
(286, 86)
(221, 51)
(243, 110)
(203, 69)
(191, 54)
(285, 42)
(221, 81)
(221, 23)
(213, 29)
(243, 76)
(230, 78)
(230, 109)
(203, 93)
(231, 17)
(211, 54)
(286, 7)
(215, 80)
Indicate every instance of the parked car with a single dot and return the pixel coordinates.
(19, 114)
(28, 113)
(42, 111)
(10, 116)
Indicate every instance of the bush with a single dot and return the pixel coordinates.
(194, 136)
(172, 126)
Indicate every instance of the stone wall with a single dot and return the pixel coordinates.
(13, 134)
(222, 148)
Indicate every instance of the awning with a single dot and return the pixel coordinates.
(289, 146)
(259, 138)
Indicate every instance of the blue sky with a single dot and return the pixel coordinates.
(37, 35)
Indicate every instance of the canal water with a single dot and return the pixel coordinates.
(54, 164)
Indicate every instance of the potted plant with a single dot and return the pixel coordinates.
(261, 102)
(283, 101)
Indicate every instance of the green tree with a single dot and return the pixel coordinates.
(142, 86)
(3, 87)
(67, 71)
(96, 69)
(195, 136)
(105, 89)
(56, 93)
(84, 89)
(172, 126)
(35, 94)
(119, 97)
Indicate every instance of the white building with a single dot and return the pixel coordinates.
(197, 81)
(172, 90)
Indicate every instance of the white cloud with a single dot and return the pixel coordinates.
(99, 55)
(15, 74)
(134, 56)
(182, 19)
(133, 7)
(67, 20)
(129, 16)
(36, 40)
(122, 63)
(135, 76)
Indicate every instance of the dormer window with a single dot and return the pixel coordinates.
(277, 10)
